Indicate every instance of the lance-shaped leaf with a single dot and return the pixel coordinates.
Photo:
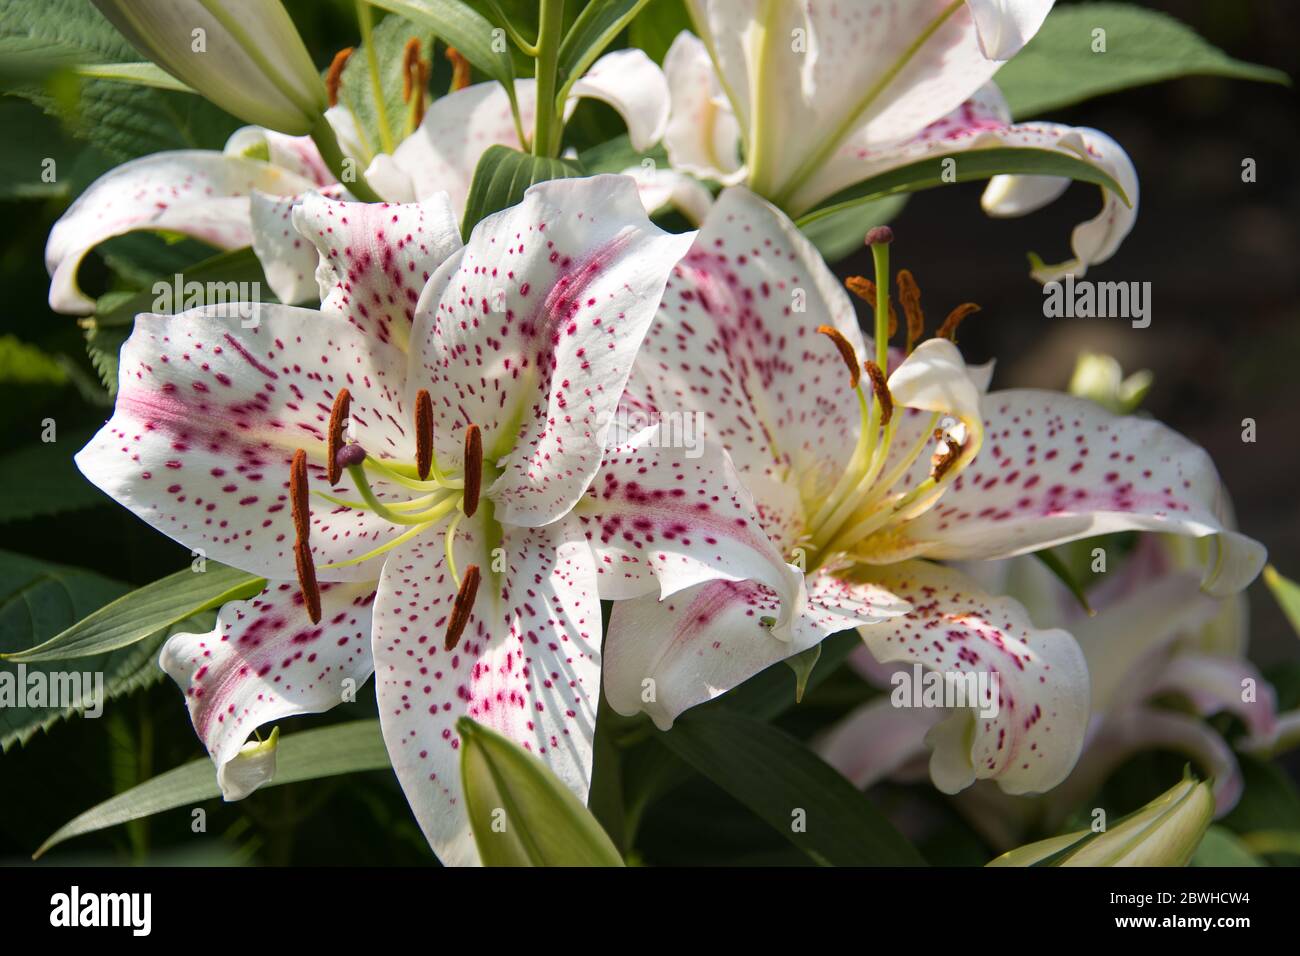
(1287, 594)
(790, 787)
(502, 177)
(1062, 65)
(520, 812)
(595, 28)
(309, 755)
(143, 612)
(1165, 832)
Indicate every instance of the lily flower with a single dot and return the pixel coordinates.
(246, 57)
(407, 467)
(800, 101)
(864, 477)
(245, 195)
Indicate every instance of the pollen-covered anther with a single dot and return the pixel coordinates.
(461, 607)
(298, 496)
(423, 433)
(473, 469)
(307, 585)
(947, 450)
(410, 72)
(955, 318)
(459, 69)
(338, 421)
(909, 293)
(880, 388)
(334, 77)
(865, 290)
(846, 350)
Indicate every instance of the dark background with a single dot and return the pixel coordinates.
(1223, 343)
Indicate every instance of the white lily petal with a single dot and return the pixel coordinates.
(296, 154)
(264, 661)
(632, 84)
(1005, 26)
(199, 193)
(663, 188)
(877, 740)
(702, 136)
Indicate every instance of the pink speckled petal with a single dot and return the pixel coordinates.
(528, 665)
(702, 136)
(531, 331)
(1043, 691)
(735, 340)
(1056, 468)
(265, 660)
(457, 128)
(375, 258)
(663, 657)
(209, 414)
(288, 259)
(662, 518)
(198, 193)
(632, 84)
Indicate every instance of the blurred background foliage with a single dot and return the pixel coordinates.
(1221, 256)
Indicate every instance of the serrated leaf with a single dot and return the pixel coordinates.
(381, 113)
(238, 266)
(38, 600)
(520, 812)
(1058, 66)
(145, 611)
(122, 120)
(41, 479)
(969, 165)
(104, 346)
(502, 177)
(797, 793)
(306, 755)
(24, 364)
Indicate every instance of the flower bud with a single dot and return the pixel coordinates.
(1165, 832)
(244, 55)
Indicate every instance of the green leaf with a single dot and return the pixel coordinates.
(23, 364)
(843, 233)
(657, 26)
(618, 154)
(381, 113)
(969, 165)
(145, 611)
(141, 74)
(104, 345)
(1221, 847)
(307, 755)
(41, 479)
(1287, 594)
(37, 601)
(502, 177)
(462, 27)
(122, 120)
(596, 27)
(223, 275)
(1053, 563)
(785, 783)
(23, 166)
(1058, 66)
(543, 822)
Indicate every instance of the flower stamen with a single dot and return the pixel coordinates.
(909, 293)
(338, 419)
(307, 585)
(949, 328)
(299, 503)
(473, 469)
(423, 433)
(461, 608)
(460, 76)
(880, 388)
(846, 350)
(334, 78)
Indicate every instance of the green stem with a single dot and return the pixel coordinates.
(330, 151)
(529, 49)
(880, 253)
(548, 125)
(372, 64)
